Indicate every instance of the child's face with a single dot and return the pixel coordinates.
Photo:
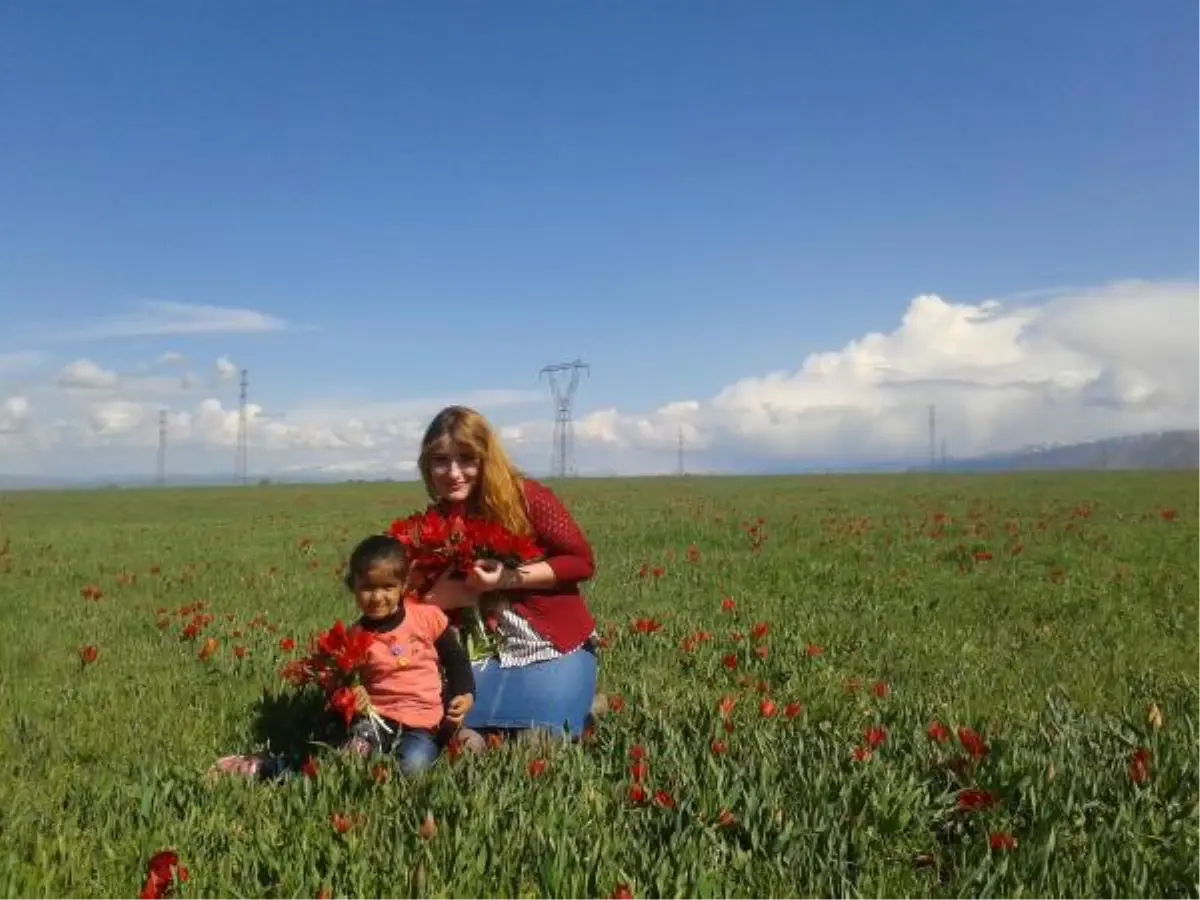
(379, 590)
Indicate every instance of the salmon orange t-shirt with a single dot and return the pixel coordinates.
(402, 675)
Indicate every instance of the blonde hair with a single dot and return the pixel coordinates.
(499, 495)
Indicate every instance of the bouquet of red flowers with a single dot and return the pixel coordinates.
(334, 663)
(436, 543)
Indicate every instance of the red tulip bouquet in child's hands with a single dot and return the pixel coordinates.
(334, 663)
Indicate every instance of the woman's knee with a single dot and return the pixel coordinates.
(553, 695)
(572, 688)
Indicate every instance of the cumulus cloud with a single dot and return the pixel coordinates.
(1078, 366)
(1056, 367)
(225, 368)
(365, 468)
(86, 375)
(116, 432)
(112, 418)
(162, 318)
(14, 413)
(142, 383)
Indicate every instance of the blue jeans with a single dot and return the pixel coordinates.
(414, 750)
(555, 695)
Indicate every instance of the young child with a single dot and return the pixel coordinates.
(402, 680)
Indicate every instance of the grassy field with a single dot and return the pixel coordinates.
(801, 739)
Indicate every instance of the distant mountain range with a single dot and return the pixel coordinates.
(180, 480)
(1162, 450)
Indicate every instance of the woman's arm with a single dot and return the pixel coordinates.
(533, 576)
(568, 559)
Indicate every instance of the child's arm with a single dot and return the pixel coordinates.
(460, 680)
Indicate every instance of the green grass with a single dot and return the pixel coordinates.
(1052, 654)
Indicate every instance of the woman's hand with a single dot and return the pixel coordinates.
(451, 593)
(487, 575)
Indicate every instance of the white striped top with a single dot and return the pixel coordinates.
(518, 644)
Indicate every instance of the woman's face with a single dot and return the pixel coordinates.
(454, 471)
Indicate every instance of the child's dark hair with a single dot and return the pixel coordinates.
(376, 550)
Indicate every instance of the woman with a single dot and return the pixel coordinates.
(543, 675)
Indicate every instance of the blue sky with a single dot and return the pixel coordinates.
(441, 199)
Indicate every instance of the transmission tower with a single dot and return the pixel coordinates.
(564, 380)
(162, 447)
(682, 470)
(932, 437)
(243, 435)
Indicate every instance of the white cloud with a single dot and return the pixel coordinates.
(225, 368)
(14, 413)
(1084, 365)
(19, 361)
(114, 418)
(143, 383)
(162, 318)
(117, 432)
(171, 358)
(1073, 365)
(376, 468)
(86, 375)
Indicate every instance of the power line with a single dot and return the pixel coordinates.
(162, 448)
(241, 465)
(241, 471)
(564, 381)
(932, 437)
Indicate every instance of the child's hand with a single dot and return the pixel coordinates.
(449, 593)
(362, 701)
(459, 707)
